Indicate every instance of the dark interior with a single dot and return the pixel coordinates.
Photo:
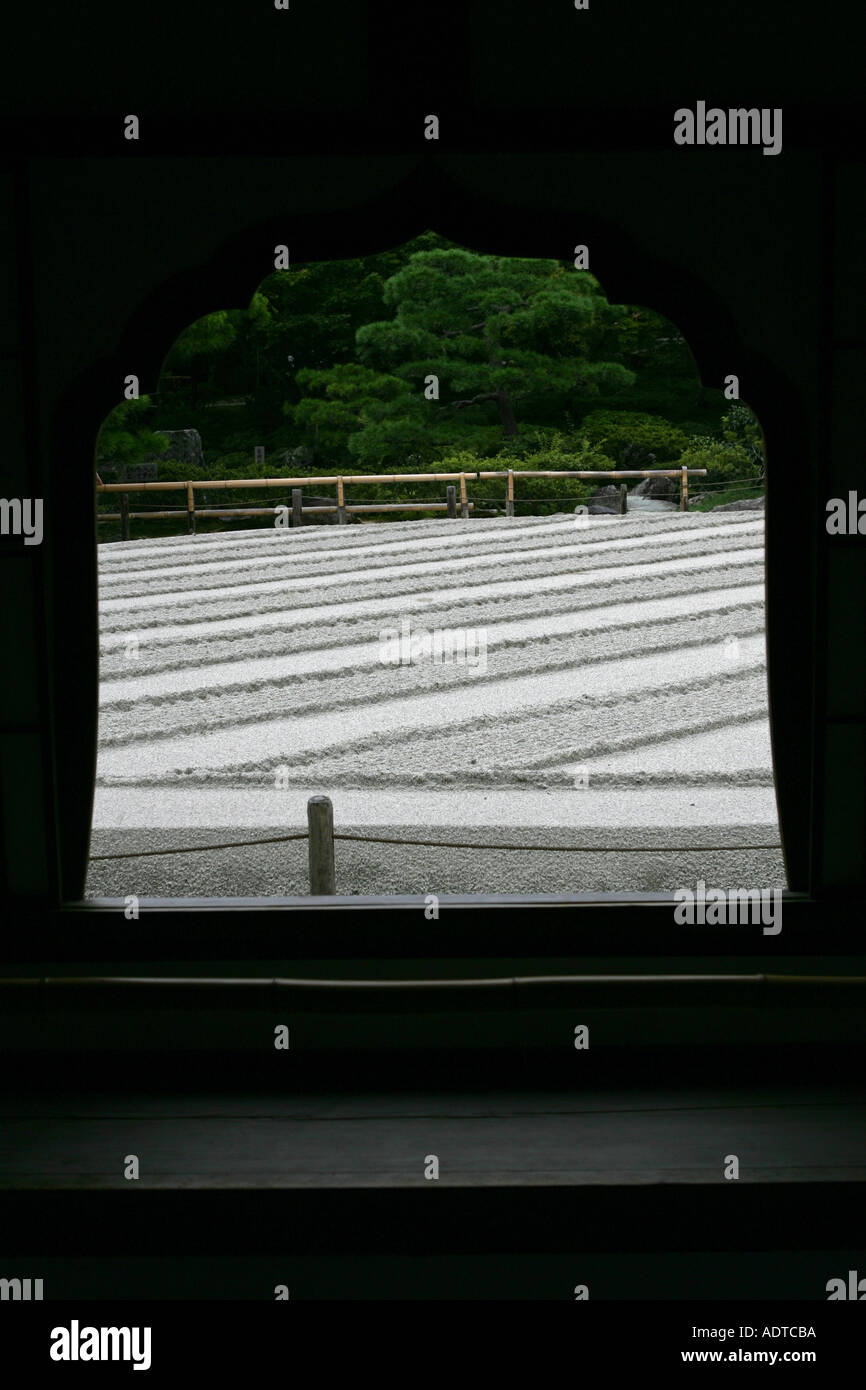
(155, 1036)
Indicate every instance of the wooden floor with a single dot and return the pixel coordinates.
(619, 1188)
(598, 1138)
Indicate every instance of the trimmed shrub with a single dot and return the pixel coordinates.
(722, 461)
(634, 435)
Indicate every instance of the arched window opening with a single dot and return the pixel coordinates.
(369, 560)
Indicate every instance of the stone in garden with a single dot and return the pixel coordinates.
(184, 446)
(663, 488)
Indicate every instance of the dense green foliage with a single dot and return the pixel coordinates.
(128, 436)
(635, 439)
(428, 358)
(738, 456)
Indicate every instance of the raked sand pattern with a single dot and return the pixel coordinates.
(618, 699)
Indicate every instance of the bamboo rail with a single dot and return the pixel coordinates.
(344, 509)
(510, 474)
(309, 481)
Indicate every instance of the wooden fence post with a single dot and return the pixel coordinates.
(464, 500)
(341, 503)
(509, 494)
(124, 515)
(684, 491)
(190, 509)
(297, 515)
(623, 499)
(451, 499)
(320, 827)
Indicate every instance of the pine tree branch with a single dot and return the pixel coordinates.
(473, 400)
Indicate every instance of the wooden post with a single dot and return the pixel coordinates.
(509, 495)
(451, 499)
(124, 515)
(464, 501)
(684, 491)
(341, 503)
(297, 515)
(320, 826)
(190, 509)
(623, 499)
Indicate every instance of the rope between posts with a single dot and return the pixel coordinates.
(545, 849)
(192, 849)
(431, 844)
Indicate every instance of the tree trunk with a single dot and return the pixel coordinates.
(506, 413)
(503, 400)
